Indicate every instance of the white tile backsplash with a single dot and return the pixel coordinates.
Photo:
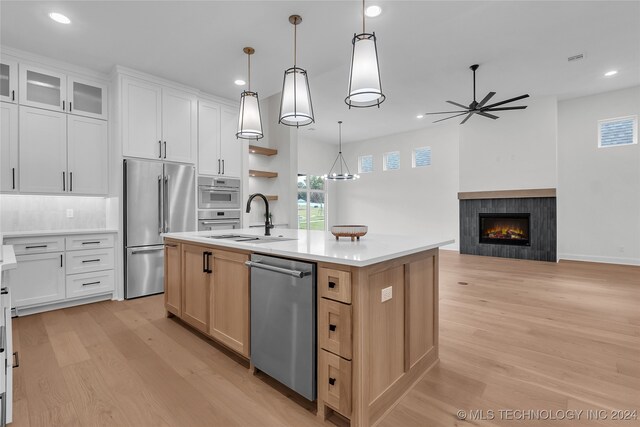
(33, 212)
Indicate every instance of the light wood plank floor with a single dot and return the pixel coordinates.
(515, 335)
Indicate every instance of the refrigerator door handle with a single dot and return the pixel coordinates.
(160, 205)
(167, 218)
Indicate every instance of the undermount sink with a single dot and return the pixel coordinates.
(249, 239)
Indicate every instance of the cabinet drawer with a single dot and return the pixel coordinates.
(89, 241)
(35, 245)
(84, 284)
(335, 284)
(334, 382)
(334, 327)
(89, 260)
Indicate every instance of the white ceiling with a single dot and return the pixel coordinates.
(425, 49)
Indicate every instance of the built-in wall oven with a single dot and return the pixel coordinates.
(218, 193)
(222, 219)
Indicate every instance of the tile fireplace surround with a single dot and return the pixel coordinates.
(539, 203)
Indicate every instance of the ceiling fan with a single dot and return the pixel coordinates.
(480, 108)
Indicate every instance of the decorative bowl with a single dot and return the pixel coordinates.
(353, 231)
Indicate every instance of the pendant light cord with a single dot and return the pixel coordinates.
(363, 17)
(249, 72)
(340, 140)
(295, 45)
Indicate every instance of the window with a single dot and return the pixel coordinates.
(391, 161)
(421, 157)
(620, 131)
(365, 163)
(312, 197)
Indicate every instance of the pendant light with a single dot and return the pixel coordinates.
(295, 103)
(365, 87)
(340, 160)
(249, 120)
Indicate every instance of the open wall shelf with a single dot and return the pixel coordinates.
(262, 174)
(272, 198)
(263, 151)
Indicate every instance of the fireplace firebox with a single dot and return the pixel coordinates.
(504, 228)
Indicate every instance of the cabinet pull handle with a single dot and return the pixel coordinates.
(63, 181)
(69, 106)
(160, 146)
(332, 381)
(91, 260)
(332, 285)
(35, 247)
(13, 178)
(13, 95)
(16, 358)
(91, 283)
(60, 260)
(70, 181)
(90, 243)
(222, 166)
(209, 270)
(218, 166)
(204, 262)
(332, 328)
(165, 149)
(4, 291)
(63, 109)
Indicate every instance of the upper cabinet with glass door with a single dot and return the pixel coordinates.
(56, 91)
(8, 80)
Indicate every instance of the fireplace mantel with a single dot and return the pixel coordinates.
(507, 194)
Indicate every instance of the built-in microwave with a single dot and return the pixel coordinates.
(218, 193)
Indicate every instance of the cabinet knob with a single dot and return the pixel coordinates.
(332, 381)
(332, 327)
(332, 285)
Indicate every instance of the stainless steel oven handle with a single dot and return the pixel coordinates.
(294, 273)
(219, 189)
(219, 222)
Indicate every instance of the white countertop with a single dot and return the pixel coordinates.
(7, 234)
(322, 246)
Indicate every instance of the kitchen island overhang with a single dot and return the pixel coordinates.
(377, 307)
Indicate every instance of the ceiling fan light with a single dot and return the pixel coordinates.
(365, 87)
(249, 119)
(295, 105)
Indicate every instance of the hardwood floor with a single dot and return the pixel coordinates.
(515, 335)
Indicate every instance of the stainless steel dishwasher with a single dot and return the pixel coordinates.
(283, 321)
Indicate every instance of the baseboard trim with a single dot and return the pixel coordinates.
(601, 259)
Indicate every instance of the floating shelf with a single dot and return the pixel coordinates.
(262, 174)
(254, 149)
(272, 198)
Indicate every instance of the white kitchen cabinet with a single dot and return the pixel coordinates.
(42, 88)
(87, 155)
(43, 151)
(8, 80)
(157, 122)
(8, 147)
(87, 98)
(38, 279)
(219, 152)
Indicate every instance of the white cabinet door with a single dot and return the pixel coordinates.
(43, 88)
(8, 80)
(230, 146)
(8, 147)
(178, 126)
(87, 98)
(88, 156)
(43, 151)
(141, 119)
(209, 162)
(37, 279)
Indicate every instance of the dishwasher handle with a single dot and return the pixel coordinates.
(294, 273)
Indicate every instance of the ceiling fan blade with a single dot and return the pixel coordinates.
(507, 101)
(448, 112)
(458, 105)
(466, 118)
(491, 116)
(484, 101)
(457, 115)
(505, 108)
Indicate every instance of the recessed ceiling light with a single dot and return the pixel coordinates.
(419, 116)
(58, 17)
(373, 11)
(240, 82)
(611, 73)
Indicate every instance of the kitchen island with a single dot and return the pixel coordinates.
(377, 306)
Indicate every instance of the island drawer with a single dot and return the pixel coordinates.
(89, 241)
(334, 327)
(35, 245)
(335, 284)
(85, 284)
(89, 260)
(334, 382)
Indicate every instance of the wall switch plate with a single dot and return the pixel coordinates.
(387, 294)
(69, 213)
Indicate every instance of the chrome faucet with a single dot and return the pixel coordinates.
(267, 225)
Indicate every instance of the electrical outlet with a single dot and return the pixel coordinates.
(387, 294)
(69, 213)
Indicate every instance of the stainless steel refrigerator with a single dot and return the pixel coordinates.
(158, 198)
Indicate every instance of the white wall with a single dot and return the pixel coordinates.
(405, 201)
(598, 188)
(515, 151)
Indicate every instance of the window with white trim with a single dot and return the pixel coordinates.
(391, 161)
(365, 163)
(312, 198)
(421, 157)
(618, 131)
